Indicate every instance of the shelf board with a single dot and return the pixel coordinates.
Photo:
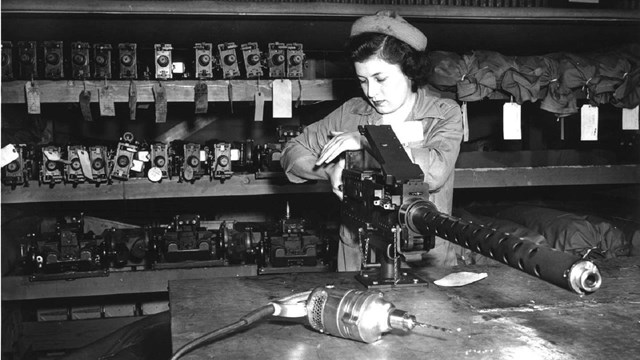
(318, 9)
(118, 282)
(141, 188)
(246, 185)
(68, 91)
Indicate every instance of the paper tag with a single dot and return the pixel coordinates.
(143, 156)
(460, 279)
(51, 155)
(588, 123)
(465, 122)
(235, 154)
(203, 155)
(137, 165)
(511, 120)
(630, 119)
(200, 97)
(105, 98)
(282, 98)
(133, 100)
(408, 131)
(85, 163)
(33, 97)
(85, 104)
(154, 174)
(8, 154)
(258, 113)
(161, 103)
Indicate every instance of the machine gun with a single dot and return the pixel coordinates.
(387, 201)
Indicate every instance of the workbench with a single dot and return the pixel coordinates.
(508, 315)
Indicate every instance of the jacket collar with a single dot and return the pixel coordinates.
(423, 108)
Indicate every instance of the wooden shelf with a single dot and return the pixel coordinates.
(117, 282)
(309, 9)
(68, 91)
(237, 185)
(246, 185)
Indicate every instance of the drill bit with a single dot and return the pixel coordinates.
(443, 329)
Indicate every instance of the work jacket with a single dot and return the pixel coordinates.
(435, 153)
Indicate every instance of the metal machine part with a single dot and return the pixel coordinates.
(99, 170)
(295, 60)
(159, 160)
(123, 160)
(19, 171)
(27, 60)
(127, 55)
(7, 61)
(80, 66)
(221, 162)
(73, 169)
(252, 60)
(164, 62)
(53, 60)
(277, 60)
(102, 61)
(204, 60)
(243, 243)
(228, 60)
(193, 160)
(51, 167)
(185, 240)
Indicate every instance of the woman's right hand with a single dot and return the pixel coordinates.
(339, 143)
(335, 177)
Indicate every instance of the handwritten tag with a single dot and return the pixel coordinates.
(161, 103)
(258, 113)
(51, 155)
(282, 98)
(630, 119)
(33, 97)
(511, 120)
(588, 123)
(200, 97)
(85, 104)
(85, 163)
(133, 100)
(105, 98)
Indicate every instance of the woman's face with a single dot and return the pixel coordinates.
(384, 84)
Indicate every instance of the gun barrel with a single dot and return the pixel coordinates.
(562, 269)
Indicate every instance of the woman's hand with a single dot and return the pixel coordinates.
(335, 176)
(341, 142)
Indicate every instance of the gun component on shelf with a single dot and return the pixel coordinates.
(164, 62)
(288, 132)
(51, 166)
(53, 60)
(80, 65)
(252, 60)
(185, 240)
(7, 61)
(245, 159)
(99, 160)
(159, 162)
(28, 60)
(73, 168)
(128, 60)
(102, 61)
(269, 160)
(277, 60)
(67, 251)
(19, 171)
(204, 60)
(125, 247)
(292, 244)
(228, 60)
(221, 162)
(295, 60)
(123, 160)
(193, 159)
(243, 243)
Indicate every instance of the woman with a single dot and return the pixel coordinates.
(391, 64)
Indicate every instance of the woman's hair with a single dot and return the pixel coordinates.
(413, 63)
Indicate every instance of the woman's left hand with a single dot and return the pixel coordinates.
(341, 142)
